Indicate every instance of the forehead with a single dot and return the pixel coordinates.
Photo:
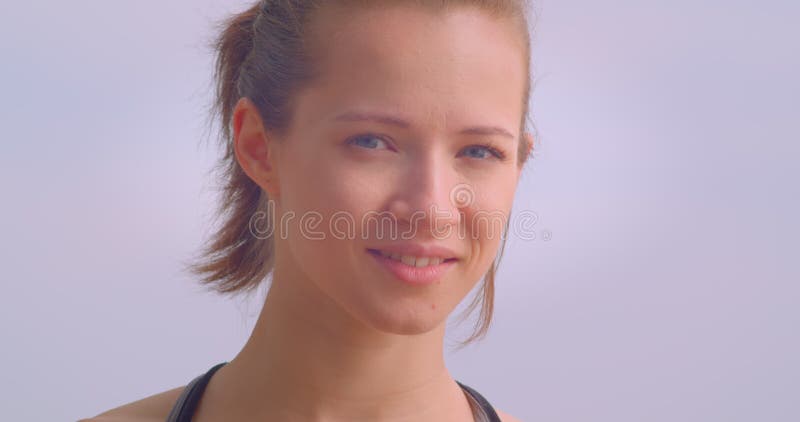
(459, 65)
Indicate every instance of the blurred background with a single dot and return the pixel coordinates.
(663, 284)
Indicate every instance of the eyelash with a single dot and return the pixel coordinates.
(492, 148)
(496, 152)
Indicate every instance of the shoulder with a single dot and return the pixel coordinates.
(149, 409)
(505, 417)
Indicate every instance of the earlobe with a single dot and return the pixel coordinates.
(253, 147)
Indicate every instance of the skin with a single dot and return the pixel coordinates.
(342, 340)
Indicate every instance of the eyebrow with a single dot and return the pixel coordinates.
(353, 116)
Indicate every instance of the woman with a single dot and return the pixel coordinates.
(366, 142)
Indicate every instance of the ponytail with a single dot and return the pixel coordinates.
(235, 259)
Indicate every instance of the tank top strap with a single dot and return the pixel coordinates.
(485, 411)
(187, 403)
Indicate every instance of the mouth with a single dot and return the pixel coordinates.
(413, 261)
(414, 270)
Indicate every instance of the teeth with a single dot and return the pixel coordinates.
(413, 261)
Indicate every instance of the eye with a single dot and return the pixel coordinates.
(482, 152)
(369, 141)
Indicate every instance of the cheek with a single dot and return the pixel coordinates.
(486, 220)
(327, 199)
(327, 183)
(491, 208)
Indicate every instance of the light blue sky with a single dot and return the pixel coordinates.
(667, 174)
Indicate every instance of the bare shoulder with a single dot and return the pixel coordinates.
(505, 417)
(149, 409)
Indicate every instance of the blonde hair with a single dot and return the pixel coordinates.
(261, 55)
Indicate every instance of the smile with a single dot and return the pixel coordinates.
(412, 261)
(414, 270)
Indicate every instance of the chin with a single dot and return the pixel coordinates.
(404, 320)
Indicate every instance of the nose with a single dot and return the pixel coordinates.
(427, 202)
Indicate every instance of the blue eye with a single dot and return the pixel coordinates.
(369, 142)
(483, 152)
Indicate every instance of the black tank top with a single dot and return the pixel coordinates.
(186, 404)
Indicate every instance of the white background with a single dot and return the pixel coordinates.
(667, 174)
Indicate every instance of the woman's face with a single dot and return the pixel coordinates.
(430, 79)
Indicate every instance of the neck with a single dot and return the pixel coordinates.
(309, 360)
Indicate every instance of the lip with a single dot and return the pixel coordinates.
(418, 276)
(418, 249)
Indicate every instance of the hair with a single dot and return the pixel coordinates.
(261, 54)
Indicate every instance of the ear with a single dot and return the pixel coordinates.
(254, 149)
(528, 138)
(527, 148)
